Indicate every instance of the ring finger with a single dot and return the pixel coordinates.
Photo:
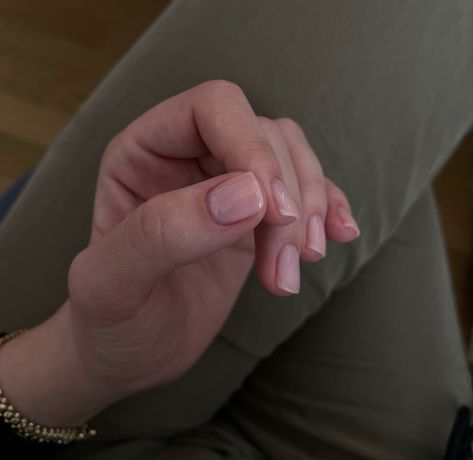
(313, 190)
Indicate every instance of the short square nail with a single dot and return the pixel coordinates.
(316, 234)
(235, 199)
(287, 269)
(348, 220)
(285, 203)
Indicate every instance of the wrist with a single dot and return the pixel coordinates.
(44, 378)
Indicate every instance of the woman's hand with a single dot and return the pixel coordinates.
(177, 226)
(189, 196)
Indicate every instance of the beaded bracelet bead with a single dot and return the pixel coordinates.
(34, 431)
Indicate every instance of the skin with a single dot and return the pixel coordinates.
(160, 276)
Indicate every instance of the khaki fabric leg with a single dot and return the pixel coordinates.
(378, 373)
(216, 440)
(383, 91)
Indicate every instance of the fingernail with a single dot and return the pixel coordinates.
(316, 234)
(287, 269)
(285, 203)
(235, 199)
(348, 221)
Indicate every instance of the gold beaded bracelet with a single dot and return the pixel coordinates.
(33, 431)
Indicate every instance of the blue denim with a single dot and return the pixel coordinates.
(10, 196)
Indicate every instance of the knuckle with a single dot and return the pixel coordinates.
(332, 188)
(222, 85)
(314, 182)
(290, 125)
(269, 125)
(335, 193)
(314, 193)
(328, 182)
(264, 120)
(255, 148)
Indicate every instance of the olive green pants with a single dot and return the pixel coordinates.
(367, 361)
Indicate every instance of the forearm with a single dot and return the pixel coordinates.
(44, 379)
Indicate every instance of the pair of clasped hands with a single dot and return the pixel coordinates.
(189, 196)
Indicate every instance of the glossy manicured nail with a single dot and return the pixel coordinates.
(287, 269)
(316, 234)
(348, 221)
(235, 199)
(286, 204)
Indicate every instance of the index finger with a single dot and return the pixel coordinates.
(216, 116)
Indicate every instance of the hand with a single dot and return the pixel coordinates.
(168, 257)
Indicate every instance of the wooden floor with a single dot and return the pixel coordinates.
(54, 52)
(454, 193)
(52, 55)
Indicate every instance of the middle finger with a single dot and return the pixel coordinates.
(277, 248)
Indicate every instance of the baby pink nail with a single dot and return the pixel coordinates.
(285, 203)
(287, 269)
(316, 234)
(348, 221)
(235, 199)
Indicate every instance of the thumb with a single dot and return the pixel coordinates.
(170, 230)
